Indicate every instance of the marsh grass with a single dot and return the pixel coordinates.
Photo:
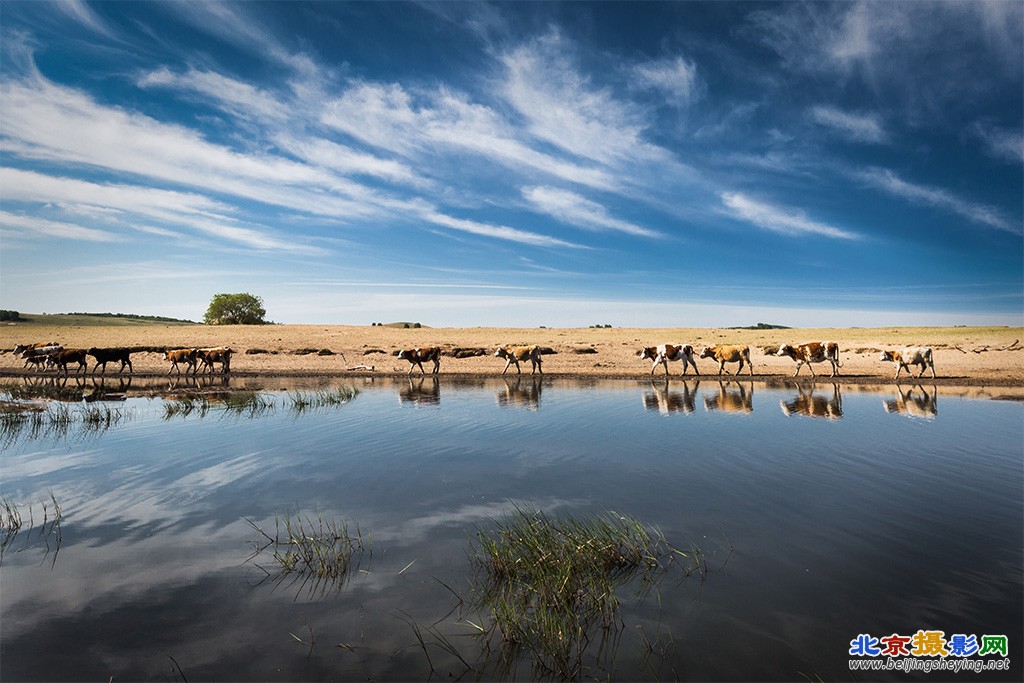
(13, 523)
(33, 421)
(549, 591)
(252, 404)
(304, 401)
(185, 405)
(314, 554)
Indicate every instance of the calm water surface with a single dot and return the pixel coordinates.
(820, 515)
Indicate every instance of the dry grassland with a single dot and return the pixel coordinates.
(963, 355)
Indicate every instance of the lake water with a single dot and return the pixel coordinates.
(819, 516)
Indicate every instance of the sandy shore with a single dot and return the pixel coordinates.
(966, 356)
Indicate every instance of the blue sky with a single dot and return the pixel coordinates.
(562, 164)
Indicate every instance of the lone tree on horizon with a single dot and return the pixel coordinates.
(235, 309)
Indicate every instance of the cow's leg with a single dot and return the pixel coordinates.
(811, 368)
(508, 362)
(437, 366)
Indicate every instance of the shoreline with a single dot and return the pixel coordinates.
(970, 357)
(773, 379)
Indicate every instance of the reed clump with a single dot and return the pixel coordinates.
(302, 401)
(253, 404)
(548, 587)
(34, 421)
(318, 552)
(13, 523)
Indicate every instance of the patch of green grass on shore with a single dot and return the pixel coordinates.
(96, 319)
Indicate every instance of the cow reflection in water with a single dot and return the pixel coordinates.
(75, 389)
(520, 393)
(914, 402)
(425, 391)
(665, 401)
(806, 403)
(198, 381)
(729, 400)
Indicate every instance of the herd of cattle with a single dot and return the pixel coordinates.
(52, 355)
(803, 354)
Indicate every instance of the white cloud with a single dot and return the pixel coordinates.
(29, 186)
(241, 99)
(563, 108)
(1000, 143)
(888, 181)
(80, 12)
(675, 78)
(784, 221)
(571, 208)
(35, 227)
(856, 127)
(388, 117)
(497, 231)
(123, 204)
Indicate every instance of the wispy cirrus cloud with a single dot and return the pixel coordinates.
(242, 100)
(563, 107)
(1000, 143)
(119, 204)
(785, 221)
(855, 127)
(574, 209)
(34, 227)
(81, 13)
(497, 231)
(675, 78)
(445, 121)
(889, 182)
(29, 186)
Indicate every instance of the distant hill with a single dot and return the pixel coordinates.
(94, 319)
(761, 326)
(403, 325)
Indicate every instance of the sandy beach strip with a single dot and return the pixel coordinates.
(967, 356)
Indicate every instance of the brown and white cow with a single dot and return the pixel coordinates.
(514, 354)
(209, 357)
(728, 354)
(186, 356)
(417, 356)
(663, 353)
(22, 348)
(912, 355)
(40, 356)
(62, 358)
(813, 352)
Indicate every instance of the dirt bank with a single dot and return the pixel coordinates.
(965, 356)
